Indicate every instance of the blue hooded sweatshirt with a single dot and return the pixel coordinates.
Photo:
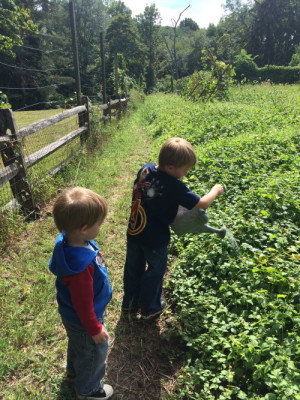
(83, 287)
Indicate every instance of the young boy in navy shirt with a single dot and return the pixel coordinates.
(157, 193)
(83, 288)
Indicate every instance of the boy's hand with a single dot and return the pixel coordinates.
(101, 336)
(219, 189)
(206, 200)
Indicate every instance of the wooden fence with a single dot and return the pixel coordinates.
(15, 163)
(113, 108)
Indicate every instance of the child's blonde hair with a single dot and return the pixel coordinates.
(177, 152)
(76, 207)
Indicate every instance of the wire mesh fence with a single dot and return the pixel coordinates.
(31, 152)
(36, 144)
(43, 138)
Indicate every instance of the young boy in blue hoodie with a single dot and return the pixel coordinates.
(83, 288)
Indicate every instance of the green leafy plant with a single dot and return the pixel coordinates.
(245, 66)
(238, 311)
(4, 101)
(210, 84)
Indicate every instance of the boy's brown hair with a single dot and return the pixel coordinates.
(76, 207)
(177, 152)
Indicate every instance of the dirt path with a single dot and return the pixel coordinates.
(139, 365)
(142, 364)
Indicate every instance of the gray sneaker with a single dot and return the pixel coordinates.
(102, 394)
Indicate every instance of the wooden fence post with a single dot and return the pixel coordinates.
(125, 103)
(84, 119)
(12, 153)
(87, 113)
(119, 109)
(109, 106)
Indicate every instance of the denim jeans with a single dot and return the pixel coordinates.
(85, 358)
(143, 277)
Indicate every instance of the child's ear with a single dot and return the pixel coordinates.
(83, 229)
(169, 168)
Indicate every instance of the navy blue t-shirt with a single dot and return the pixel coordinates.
(155, 200)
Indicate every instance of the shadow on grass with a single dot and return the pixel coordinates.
(142, 364)
(66, 390)
(139, 367)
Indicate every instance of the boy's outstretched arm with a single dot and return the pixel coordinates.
(209, 197)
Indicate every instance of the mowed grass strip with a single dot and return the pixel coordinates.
(33, 343)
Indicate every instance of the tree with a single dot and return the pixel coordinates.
(295, 60)
(172, 50)
(245, 66)
(17, 29)
(232, 32)
(199, 42)
(148, 26)
(123, 38)
(91, 20)
(117, 7)
(189, 23)
(15, 25)
(211, 84)
(275, 31)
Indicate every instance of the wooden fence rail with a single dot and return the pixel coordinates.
(113, 108)
(12, 152)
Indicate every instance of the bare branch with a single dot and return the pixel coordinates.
(178, 19)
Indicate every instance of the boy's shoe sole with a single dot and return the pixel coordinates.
(101, 394)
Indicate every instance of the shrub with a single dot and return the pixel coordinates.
(4, 101)
(211, 84)
(295, 60)
(279, 74)
(244, 66)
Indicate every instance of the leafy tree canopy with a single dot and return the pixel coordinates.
(189, 23)
(117, 7)
(15, 25)
(295, 61)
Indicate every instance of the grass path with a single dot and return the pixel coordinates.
(140, 362)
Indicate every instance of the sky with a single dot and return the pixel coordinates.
(203, 12)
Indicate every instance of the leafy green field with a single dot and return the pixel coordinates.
(238, 312)
(235, 314)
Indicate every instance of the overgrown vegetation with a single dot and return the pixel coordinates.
(238, 313)
(4, 101)
(210, 84)
(246, 69)
(235, 314)
(33, 342)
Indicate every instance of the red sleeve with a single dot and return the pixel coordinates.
(82, 297)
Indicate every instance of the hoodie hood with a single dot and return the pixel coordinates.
(68, 260)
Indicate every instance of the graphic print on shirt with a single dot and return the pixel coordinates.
(100, 260)
(142, 191)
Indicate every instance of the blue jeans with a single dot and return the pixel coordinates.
(86, 359)
(143, 277)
